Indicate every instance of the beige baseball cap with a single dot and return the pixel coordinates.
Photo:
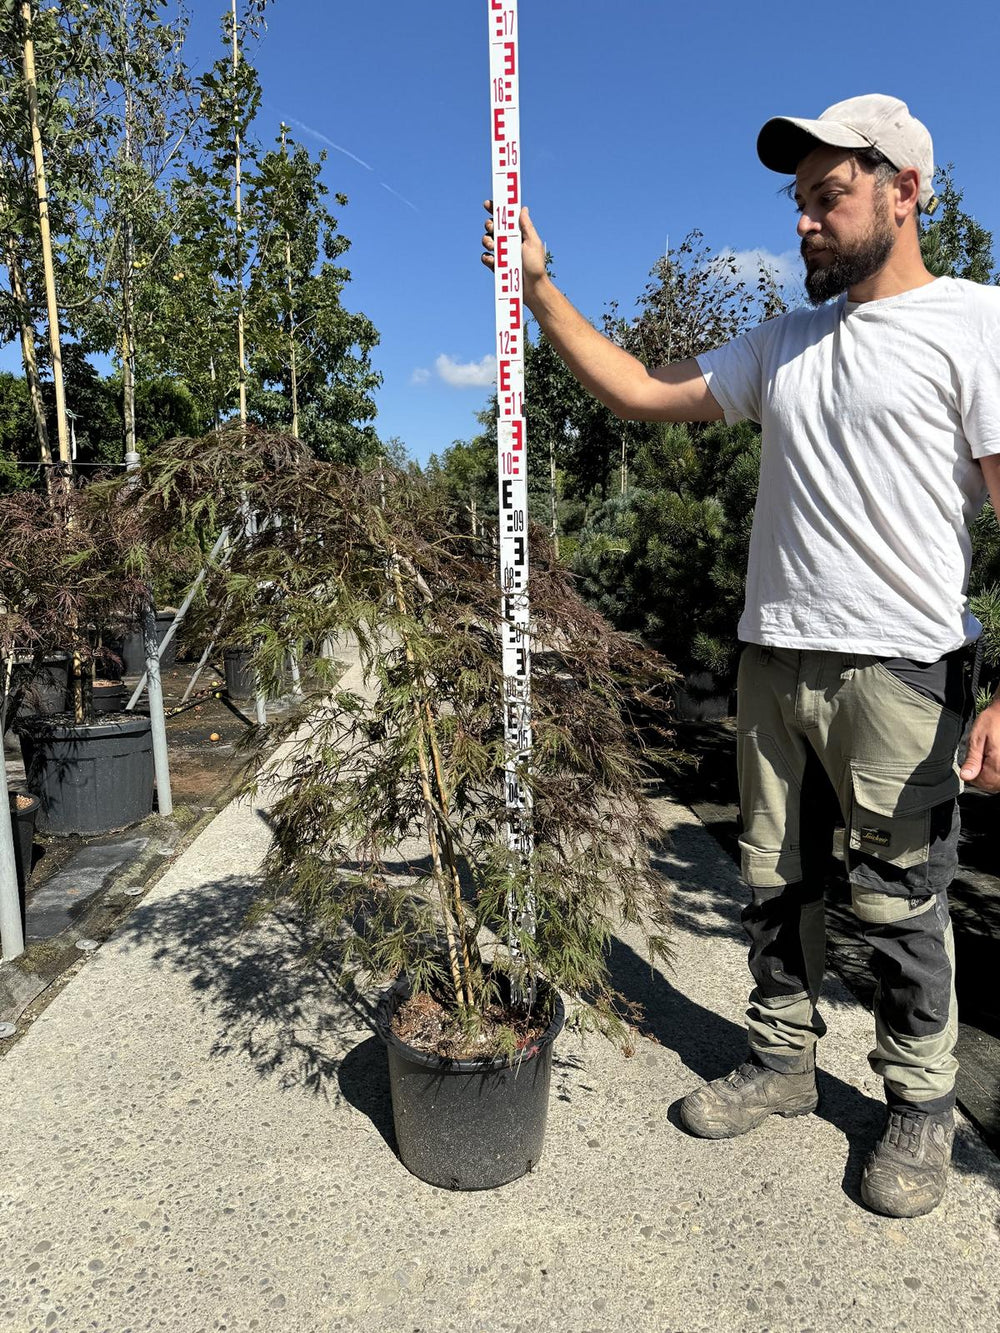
(871, 121)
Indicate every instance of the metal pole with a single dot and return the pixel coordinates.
(11, 930)
(293, 666)
(197, 672)
(161, 765)
(182, 611)
(158, 723)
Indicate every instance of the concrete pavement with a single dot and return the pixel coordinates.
(197, 1133)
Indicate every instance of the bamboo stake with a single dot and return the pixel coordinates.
(454, 911)
(41, 193)
(52, 307)
(456, 886)
(461, 980)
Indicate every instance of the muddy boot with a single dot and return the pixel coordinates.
(746, 1097)
(907, 1173)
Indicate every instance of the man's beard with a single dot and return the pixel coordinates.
(847, 267)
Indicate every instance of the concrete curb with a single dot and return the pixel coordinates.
(46, 965)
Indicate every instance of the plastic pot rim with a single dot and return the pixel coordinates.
(44, 727)
(390, 1000)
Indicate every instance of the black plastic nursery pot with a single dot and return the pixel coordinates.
(90, 777)
(468, 1124)
(134, 654)
(240, 682)
(45, 687)
(23, 812)
(108, 696)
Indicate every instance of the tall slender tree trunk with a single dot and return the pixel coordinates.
(293, 374)
(238, 202)
(552, 496)
(28, 54)
(128, 303)
(290, 320)
(19, 292)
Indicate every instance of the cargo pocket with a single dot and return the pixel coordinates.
(891, 812)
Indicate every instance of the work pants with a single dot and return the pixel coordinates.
(853, 756)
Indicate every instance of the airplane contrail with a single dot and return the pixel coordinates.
(399, 196)
(300, 124)
(330, 144)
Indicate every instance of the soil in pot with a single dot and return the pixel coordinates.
(468, 1123)
(424, 1023)
(89, 777)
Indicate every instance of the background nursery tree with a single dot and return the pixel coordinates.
(313, 372)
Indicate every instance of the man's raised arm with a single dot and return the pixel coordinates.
(612, 375)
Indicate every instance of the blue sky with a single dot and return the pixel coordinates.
(638, 122)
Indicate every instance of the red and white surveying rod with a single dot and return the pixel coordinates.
(512, 455)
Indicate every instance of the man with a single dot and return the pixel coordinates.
(880, 417)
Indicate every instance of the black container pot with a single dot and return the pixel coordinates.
(468, 1124)
(240, 681)
(90, 777)
(45, 689)
(108, 696)
(23, 824)
(134, 654)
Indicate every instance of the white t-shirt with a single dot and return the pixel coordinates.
(872, 414)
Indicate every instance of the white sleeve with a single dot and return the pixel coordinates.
(979, 386)
(734, 375)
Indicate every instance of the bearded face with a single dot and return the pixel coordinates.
(833, 266)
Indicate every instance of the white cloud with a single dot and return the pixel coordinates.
(786, 267)
(467, 374)
(420, 376)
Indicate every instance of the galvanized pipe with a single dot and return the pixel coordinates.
(158, 723)
(11, 932)
(161, 765)
(182, 611)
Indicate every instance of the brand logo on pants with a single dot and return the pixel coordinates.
(878, 836)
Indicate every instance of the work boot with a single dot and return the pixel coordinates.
(746, 1097)
(907, 1173)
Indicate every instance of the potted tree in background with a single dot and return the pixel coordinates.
(72, 577)
(387, 804)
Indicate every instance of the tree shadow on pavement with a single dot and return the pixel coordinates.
(274, 999)
(363, 1076)
(272, 989)
(699, 904)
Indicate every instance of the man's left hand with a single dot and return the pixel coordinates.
(982, 761)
